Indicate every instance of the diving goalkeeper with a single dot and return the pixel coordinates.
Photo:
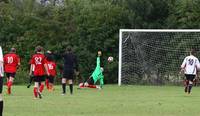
(97, 75)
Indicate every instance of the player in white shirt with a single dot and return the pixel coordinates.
(190, 68)
(1, 81)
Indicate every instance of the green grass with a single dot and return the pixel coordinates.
(111, 101)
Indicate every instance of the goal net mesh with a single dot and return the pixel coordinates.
(154, 58)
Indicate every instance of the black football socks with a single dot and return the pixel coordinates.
(71, 88)
(1, 108)
(64, 88)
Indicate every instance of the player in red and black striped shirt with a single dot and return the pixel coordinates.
(51, 69)
(11, 63)
(38, 62)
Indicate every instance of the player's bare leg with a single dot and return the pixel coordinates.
(9, 85)
(64, 86)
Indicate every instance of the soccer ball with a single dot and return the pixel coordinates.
(110, 59)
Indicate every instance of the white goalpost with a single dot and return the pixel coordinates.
(153, 55)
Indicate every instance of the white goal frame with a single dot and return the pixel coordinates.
(143, 30)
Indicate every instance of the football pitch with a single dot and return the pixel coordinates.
(111, 101)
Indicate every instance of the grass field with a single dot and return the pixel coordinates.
(111, 101)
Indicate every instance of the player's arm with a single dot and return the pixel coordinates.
(1, 68)
(18, 62)
(76, 65)
(198, 69)
(1, 63)
(31, 69)
(31, 66)
(183, 65)
(44, 62)
(46, 69)
(58, 55)
(4, 60)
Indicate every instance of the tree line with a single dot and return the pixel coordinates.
(86, 25)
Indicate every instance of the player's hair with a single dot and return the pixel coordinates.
(13, 50)
(193, 51)
(49, 52)
(49, 57)
(100, 49)
(38, 49)
(68, 50)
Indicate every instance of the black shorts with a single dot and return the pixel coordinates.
(68, 75)
(51, 79)
(190, 77)
(1, 84)
(39, 78)
(90, 81)
(8, 75)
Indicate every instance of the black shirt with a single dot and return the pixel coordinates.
(70, 62)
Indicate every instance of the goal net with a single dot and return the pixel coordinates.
(153, 57)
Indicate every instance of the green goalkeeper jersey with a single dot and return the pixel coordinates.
(97, 74)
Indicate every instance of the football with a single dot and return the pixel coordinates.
(110, 59)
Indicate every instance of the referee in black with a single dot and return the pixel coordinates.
(70, 67)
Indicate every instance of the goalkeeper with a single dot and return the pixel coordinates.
(97, 75)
